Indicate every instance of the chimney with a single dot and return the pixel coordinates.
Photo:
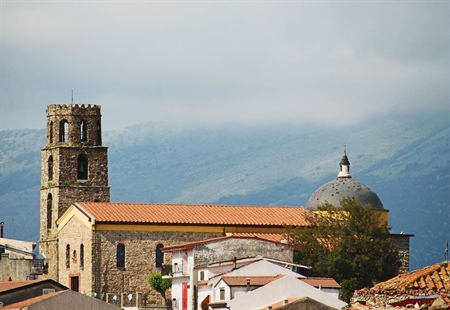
(248, 284)
(285, 302)
(1, 229)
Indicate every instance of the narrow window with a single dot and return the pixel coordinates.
(63, 131)
(83, 131)
(202, 275)
(120, 255)
(159, 257)
(82, 255)
(49, 210)
(82, 173)
(222, 293)
(99, 133)
(67, 256)
(51, 132)
(50, 168)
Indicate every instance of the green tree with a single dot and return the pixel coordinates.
(159, 284)
(350, 244)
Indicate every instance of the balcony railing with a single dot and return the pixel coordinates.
(176, 269)
(39, 267)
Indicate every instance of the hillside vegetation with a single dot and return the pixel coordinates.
(404, 158)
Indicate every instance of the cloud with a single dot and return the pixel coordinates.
(210, 62)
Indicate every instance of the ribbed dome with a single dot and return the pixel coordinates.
(333, 192)
(344, 186)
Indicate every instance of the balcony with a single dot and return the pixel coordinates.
(178, 269)
(39, 267)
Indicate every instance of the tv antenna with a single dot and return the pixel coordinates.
(72, 96)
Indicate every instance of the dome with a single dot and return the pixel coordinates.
(344, 186)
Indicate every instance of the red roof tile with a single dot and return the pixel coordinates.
(9, 285)
(28, 302)
(254, 280)
(431, 279)
(190, 245)
(321, 282)
(108, 212)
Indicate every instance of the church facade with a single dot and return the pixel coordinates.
(105, 249)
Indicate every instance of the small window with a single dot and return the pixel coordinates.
(63, 131)
(50, 168)
(99, 133)
(67, 256)
(49, 210)
(51, 132)
(82, 173)
(159, 256)
(222, 293)
(120, 255)
(48, 290)
(202, 275)
(83, 131)
(82, 255)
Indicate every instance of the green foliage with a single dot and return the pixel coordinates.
(349, 244)
(159, 284)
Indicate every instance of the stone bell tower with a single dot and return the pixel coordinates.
(74, 167)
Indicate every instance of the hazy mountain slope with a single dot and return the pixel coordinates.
(404, 158)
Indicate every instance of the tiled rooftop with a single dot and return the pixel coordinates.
(435, 278)
(254, 280)
(108, 212)
(321, 282)
(25, 303)
(276, 238)
(10, 285)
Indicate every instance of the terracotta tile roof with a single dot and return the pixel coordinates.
(9, 285)
(108, 212)
(275, 238)
(282, 302)
(28, 302)
(254, 280)
(435, 278)
(279, 238)
(321, 282)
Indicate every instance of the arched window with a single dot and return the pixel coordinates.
(120, 255)
(67, 256)
(49, 210)
(82, 171)
(159, 255)
(82, 255)
(83, 131)
(51, 132)
(63, 131)
(50, 168)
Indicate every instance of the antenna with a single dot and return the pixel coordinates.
(446, 250)
(72, 96)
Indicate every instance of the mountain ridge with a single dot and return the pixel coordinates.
(403, 158)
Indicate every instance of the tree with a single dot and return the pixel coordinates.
(159, 284)
(350, 244)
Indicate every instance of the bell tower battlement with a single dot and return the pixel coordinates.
(74, 168)
(73, 125)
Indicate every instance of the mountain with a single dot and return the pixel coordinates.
(403, 157)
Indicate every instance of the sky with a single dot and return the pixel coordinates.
(223, 62)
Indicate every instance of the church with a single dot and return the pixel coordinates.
(103, 249)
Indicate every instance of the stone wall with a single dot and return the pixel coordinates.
(227, 250)
(76, 235)
(15, 266)
(400, 243)
(140, 251)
